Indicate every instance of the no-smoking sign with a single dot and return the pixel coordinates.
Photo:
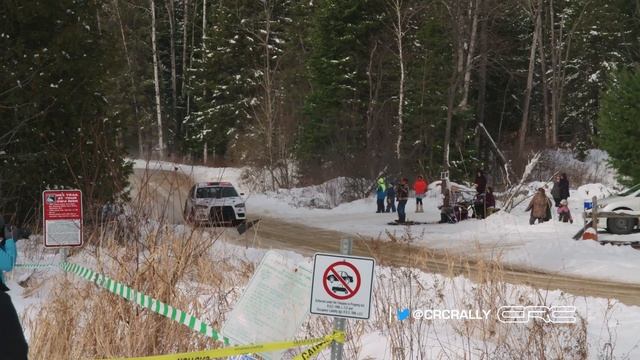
(342, 286)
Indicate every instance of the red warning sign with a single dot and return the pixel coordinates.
(62, 216)
(342, 280)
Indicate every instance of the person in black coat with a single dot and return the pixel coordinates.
(481, 182)
(12, 342)
(391, 198)
(555, 190)
(402, 195)
(564, 186)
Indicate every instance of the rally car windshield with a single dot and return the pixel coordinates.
(630, 191)
(215, 192)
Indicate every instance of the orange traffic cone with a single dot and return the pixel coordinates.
(590, 234)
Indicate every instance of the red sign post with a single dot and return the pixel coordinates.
(62, 214)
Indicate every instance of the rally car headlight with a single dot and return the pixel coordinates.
(241, 205)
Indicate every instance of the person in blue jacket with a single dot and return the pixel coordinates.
(12, 342)
(381, 192)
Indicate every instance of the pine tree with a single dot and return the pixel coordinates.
(619, 123)
(223, 79)
(56, 127)
(340, 37)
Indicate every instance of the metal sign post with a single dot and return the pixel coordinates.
(339, 324)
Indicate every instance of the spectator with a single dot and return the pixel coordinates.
(420, 187)
(540, 207)
(12, 341)
(564, 186)
(448, 203)
(490, 200)
(555, 190)
(380, 194)
(484, 204)
(481, 182)
(402, 192)
(391, 198)
(564, 214)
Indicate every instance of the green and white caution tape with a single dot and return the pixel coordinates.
(136, 297)
(35, 266)
(145, 301)
(157, 306)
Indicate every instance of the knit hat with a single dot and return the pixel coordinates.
(564, 202)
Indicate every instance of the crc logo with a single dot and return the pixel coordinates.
(520, 314)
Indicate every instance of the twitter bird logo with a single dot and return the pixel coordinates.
(403, 314)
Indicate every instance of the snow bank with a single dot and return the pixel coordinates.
(324, 196)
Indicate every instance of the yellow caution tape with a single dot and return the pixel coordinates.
(318, 345)
(317, 348)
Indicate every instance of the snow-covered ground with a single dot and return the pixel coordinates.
(548, 247)
(608, 325)
(606, 322)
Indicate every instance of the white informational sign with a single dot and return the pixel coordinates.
(342, 286)
(62, 216)
(274, 304)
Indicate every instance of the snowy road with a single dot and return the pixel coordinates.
(168, 189)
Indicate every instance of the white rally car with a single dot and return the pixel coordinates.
(627, 202)
(214, 203)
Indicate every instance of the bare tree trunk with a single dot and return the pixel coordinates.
(136, 110)
(447, 132)
(469, 61)
(156, 78)
(554, 70)
(174, 80)
(268, 84)
(204, 22)
(457, 68)
(545, 92)
(205, 153)
(185, 33)
(373, 96)
(204, 47)
(527, 95)
(560, 49)
(482, 71)
(398, 30)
